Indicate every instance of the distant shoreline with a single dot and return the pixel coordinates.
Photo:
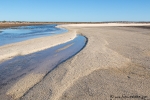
(8, 24)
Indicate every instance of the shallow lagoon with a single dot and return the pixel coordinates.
(22, 33)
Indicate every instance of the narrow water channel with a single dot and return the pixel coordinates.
(41, 62)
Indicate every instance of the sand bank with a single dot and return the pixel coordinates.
(34, 45)
(114, 63)
(103, 25)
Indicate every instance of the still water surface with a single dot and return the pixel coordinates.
(22, 33)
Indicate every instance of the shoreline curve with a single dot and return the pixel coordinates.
(34, 45)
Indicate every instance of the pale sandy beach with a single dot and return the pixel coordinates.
(115, 63)
(34, 45)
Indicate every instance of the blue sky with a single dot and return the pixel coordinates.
(75, 10)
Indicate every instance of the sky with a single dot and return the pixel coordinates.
(75, 10)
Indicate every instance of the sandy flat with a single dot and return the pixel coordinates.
(103, 25)
(114, 64)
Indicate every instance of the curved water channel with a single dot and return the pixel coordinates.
(41, 62)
